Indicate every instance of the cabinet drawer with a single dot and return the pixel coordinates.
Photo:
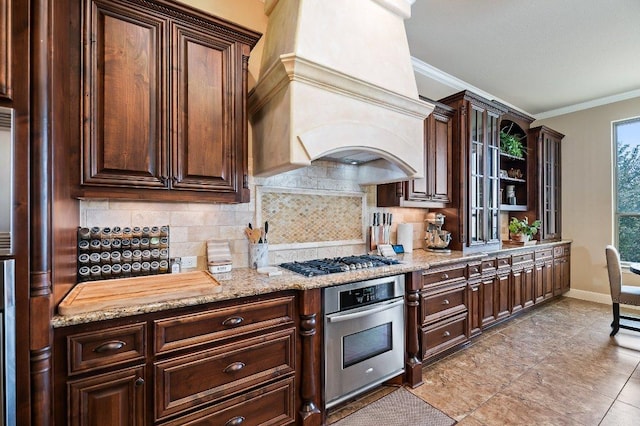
(544, 254)
(564, 250)
(443, 275)
(443, 302)
(103, 348)
(521, 258)
(503, 262)
(443, 335)
(191, 330)
(474, 269)
(272, 404)
(488, 266)
(193, 380)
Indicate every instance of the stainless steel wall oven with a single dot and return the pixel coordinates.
(363, 336)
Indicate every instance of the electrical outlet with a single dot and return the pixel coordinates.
(187, 262)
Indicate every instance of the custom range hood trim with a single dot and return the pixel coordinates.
(302, 111)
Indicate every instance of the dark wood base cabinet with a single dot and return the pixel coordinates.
(229, 363)
(460, 300)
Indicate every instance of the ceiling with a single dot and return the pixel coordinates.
(545, 57)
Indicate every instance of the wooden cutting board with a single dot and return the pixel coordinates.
(127, 292)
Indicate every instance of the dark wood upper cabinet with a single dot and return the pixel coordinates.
(5, 49)
(548, 181)
(473, 217)
(164, 91)
(434, 190)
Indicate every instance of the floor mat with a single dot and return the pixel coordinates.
(400, 408)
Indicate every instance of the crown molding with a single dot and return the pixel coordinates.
(456, 84)
(588, 104)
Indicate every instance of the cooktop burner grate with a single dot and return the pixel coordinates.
(315, 267)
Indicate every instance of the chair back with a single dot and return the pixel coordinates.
(615, 272)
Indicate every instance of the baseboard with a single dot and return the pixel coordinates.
(591, 296)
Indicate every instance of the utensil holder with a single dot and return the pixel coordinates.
(258, 255)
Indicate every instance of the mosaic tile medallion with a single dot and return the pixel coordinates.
(301, 218)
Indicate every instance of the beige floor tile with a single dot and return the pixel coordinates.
(631, 392)
(453, 392)
(559, 394)
(596, 376)
(510, 410)
(621, 414)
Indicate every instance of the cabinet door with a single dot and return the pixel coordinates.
(548, 279)
(562, 278)
(558, 275)
(528, 292)
(488, 298)
(550, 186)
(539, 282)
(475, 308)
(207, 98)
(439, 157)
(517, 300)
(124, 134)
(503, 294)
(5, 49)
(112, 399)
(484, 178)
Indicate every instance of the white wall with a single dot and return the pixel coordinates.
(587, 192)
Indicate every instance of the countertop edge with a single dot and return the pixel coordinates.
(245, 282)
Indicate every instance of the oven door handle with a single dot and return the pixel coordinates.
(366, 312)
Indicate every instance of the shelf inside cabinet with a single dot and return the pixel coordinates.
(513, 208)
(511, 157)
(510, 179)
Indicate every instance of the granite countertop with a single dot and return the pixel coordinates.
(244, 282)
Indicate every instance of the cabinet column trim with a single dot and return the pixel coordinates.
(309, 306)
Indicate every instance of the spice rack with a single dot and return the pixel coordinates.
(108, 253)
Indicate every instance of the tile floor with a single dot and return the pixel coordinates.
(553, 365)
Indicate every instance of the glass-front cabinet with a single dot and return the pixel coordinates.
(484, 178)
(475, 220)
(548, 147)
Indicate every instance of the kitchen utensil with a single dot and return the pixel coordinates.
(266, 230)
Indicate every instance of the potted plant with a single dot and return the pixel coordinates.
(521, 230)
(511, 144)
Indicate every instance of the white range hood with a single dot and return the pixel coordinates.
(336, 82)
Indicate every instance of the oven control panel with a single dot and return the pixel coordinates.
(366, 295)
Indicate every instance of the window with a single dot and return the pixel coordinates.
(626, 137)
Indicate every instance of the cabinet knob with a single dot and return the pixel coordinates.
(444, 276)
(446, 334)
(475, 270)
(235, 421)
(139, 381)
(110, 346)
(233, 321)
(445, 302)
(234, 367)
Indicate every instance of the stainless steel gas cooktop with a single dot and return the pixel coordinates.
(315, 267)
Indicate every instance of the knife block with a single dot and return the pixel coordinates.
(376, 236)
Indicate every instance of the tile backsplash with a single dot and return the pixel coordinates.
(323, 196)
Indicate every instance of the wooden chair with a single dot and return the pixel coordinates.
(620, 294)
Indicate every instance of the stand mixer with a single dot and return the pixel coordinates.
(436, 239)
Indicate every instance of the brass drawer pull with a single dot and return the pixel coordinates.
(444, 276)
(233, 321)
(445, 302)
(139, 381)
(235, 421)
(112, 346)
(234, 367)
(446, 334)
